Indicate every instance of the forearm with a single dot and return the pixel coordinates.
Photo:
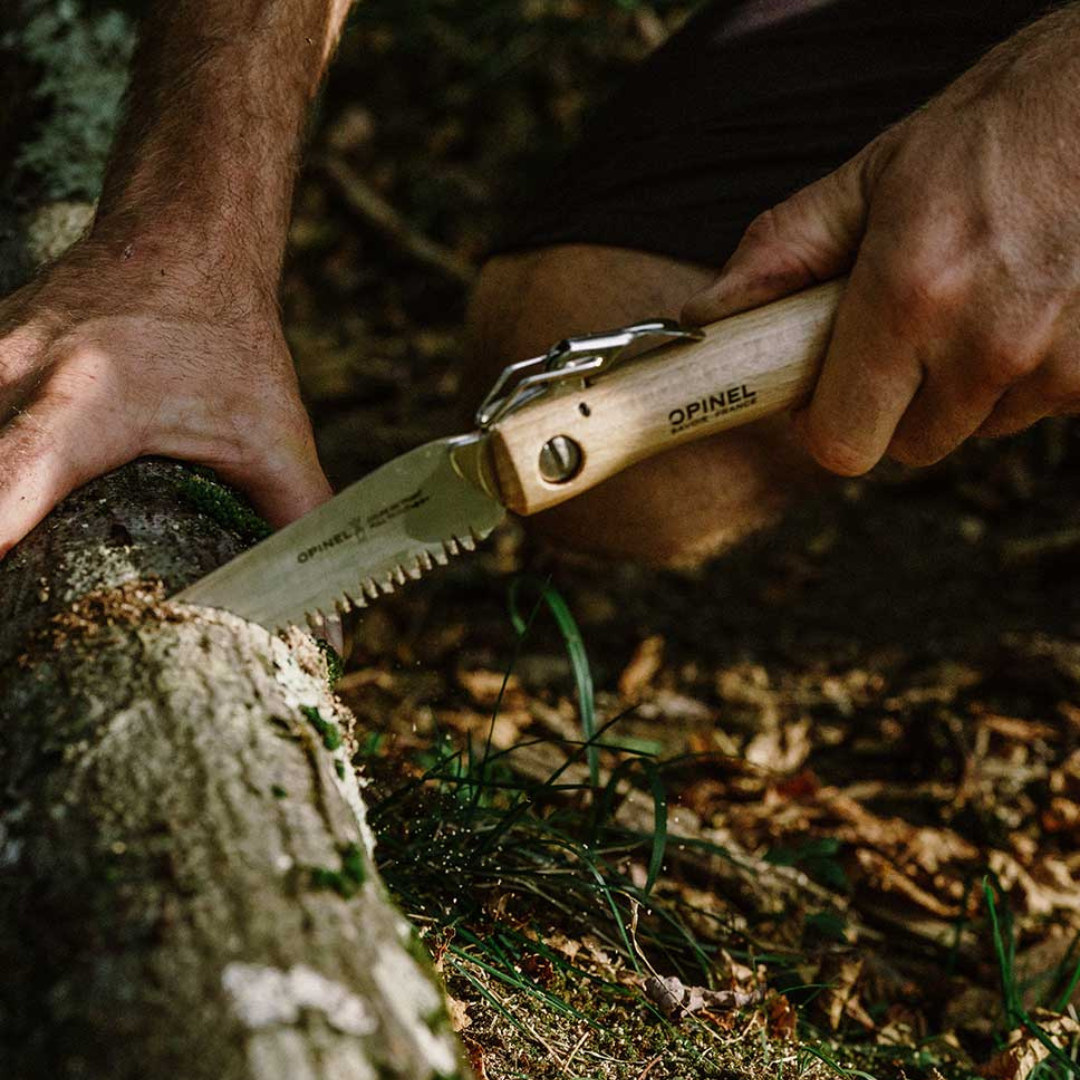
(205, 162)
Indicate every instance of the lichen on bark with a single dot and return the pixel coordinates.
(80, 52)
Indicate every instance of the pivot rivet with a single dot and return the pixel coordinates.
(560, 459)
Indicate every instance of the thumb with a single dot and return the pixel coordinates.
(810, 237)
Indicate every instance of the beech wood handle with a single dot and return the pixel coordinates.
(746, 367)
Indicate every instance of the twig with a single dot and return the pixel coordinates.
(376, 212)
(573, 1053)
(648, 1068)
(542, 1042)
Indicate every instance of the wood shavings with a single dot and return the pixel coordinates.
(129, 604)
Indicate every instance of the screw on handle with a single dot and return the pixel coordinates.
(560, 459)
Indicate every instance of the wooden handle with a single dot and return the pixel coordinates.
(746, 367)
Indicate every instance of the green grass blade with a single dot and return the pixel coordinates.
(1005, 951)
(575, 648)
(658, 789)
(1005, 971)
(1066, 995)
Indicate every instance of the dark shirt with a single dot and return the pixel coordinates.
(747, 103)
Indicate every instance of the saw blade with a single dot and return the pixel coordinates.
(401, 520)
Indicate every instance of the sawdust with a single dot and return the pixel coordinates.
(130, 604)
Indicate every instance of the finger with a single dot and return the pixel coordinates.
(868, 379)
(950, 406)
(1016, 411)
(1033, 399)
(808, 238)
(44, 455)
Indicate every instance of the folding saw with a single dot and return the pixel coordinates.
(552, 427)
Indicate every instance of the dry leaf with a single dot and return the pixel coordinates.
(839, 974)
(736, 975)
(1061, 816)
(879, 874)
(783, 749)
(459, 1013)
(668, 705)
(638, 675)
(783, 1020)
(1038, 897)
(476, 1057)
(484, 687)
(1025, 1050)
(1012, 727)
(676, 1000)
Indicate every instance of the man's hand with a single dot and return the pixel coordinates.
(117, 354)
(962, 314)
(159, 333)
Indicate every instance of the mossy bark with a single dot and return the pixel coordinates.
(186, 880)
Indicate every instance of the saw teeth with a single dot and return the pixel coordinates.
(414, 568)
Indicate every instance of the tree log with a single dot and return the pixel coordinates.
(186, 881)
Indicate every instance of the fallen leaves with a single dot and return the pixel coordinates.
(1026, 1050)
(838, 977)
(872, 882)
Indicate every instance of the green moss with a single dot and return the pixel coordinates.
(339, 768)
(349, 879)
(222, 504)
(352, 864)
(335, 666)
(278, 792)
(327, 729)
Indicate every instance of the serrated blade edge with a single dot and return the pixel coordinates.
(405, 518)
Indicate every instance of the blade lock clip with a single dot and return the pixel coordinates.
(577, 359)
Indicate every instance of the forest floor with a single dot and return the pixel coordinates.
(836, 789)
